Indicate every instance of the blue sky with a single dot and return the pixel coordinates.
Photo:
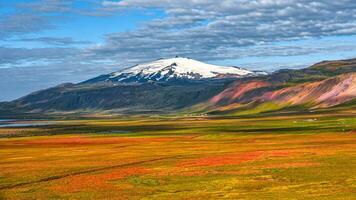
(47, 42)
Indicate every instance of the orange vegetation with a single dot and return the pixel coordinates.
(291, 165)
(82, 140)
(231, 159)
(94, 181)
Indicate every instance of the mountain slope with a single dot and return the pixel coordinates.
(326, 93)
(323, 85)
(156, 97)
(172, 69)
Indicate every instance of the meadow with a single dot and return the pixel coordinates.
(298, 156)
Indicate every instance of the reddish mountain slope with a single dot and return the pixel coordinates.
(238, 90)
(326, 93)
(320, 94)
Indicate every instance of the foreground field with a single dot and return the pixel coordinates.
(308, 156)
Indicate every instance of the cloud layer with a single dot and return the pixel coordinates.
(212, 30)
(224, 31)
(202, 29)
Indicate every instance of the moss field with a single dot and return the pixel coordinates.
(285, 156)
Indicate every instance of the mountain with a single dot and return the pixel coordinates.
(172, 69)
(159, 86)
(186, 85)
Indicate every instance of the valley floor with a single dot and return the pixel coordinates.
(307, 156)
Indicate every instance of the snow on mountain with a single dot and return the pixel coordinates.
(171, 69)
(183, 67)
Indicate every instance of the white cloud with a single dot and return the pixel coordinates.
(212, 30)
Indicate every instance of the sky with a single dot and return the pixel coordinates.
(44, 43)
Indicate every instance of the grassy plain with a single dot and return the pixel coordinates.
(304, 156)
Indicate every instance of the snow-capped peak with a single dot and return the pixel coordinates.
(183, 67)
(178, 68)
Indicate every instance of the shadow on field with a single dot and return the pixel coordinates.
(93, 129)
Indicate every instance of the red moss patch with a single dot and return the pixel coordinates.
(96, 181)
